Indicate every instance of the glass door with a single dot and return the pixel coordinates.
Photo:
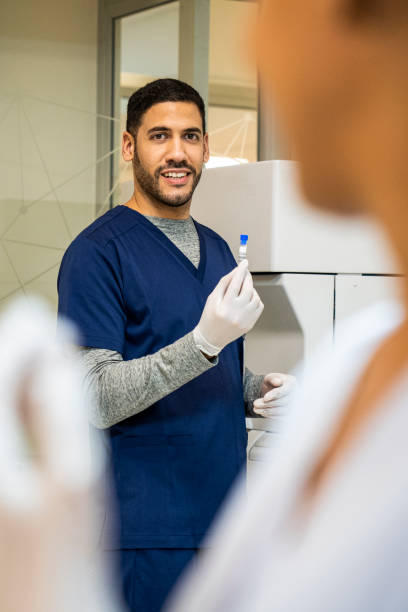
(147, 48)
(233, 85)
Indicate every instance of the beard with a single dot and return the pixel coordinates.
(150, 184)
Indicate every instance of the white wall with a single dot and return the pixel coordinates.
(150, 41)
(48, 63)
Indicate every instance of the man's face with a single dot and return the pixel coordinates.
(169, 152)
(314, 67)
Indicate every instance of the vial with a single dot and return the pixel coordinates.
(243, 245)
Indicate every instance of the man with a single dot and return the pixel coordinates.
(164, 348)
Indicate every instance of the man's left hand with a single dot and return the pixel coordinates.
(276, 393)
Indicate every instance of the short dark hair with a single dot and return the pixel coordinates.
(160, 90)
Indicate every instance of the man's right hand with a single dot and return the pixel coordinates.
(231, 311)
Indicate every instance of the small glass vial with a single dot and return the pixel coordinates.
(243, 245)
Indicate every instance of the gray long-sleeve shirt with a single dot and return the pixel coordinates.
(125, 388)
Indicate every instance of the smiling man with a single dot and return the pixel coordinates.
(168, 184)
(162, 307)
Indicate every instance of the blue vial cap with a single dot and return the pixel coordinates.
(243, 239)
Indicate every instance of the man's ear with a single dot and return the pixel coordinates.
(206, 148)
(128, 146)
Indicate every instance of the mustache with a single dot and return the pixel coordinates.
(175, 165)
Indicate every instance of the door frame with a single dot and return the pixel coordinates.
(194, 23)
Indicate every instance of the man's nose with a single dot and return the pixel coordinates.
(176, 151)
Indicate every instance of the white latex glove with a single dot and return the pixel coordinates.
(276, 394)
(231, 311)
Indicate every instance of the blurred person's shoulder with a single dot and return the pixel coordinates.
(334, 368)
(369, 324)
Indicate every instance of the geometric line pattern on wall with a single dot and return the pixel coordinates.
(27, 259)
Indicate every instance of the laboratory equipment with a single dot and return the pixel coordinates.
(243, 247)
(311, 269)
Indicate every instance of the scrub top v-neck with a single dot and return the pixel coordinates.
(128, 288)
(198, 272)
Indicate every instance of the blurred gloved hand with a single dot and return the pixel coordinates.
(231, 311)
(276, 394)
(49, 559)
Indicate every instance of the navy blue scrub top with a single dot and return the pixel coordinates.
(128, 288)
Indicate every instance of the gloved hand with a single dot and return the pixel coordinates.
(231, 311)
(276, 394)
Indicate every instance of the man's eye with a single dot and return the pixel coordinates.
(159, 136)
(192, 137)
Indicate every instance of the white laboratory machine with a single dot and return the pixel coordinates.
(311, 269)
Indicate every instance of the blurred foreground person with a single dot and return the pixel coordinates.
(48, 558)
(327, 525)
